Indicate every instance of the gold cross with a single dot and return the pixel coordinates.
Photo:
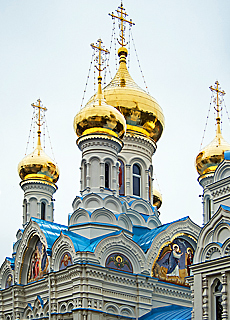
(99, 48)
(218, 91)
(221, 93)
(122, 18)
(40, 107)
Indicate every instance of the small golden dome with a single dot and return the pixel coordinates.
(157, 199)
(38, 165)
(209, 158)
(99, 117)
(142, 112)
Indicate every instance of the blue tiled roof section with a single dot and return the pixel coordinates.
(227, 208)
(172, 312)
(11, 260)
(79, 242)
(51, 230)
(227, 155)
(139, 231)
(146, 239)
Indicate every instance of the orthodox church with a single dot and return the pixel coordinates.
(114, 259)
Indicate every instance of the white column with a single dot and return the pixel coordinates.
(81, 179)
(88, 176)
(102, 175)
(128, 178)
(114, 179)
(224, 297)
(205, 298)
(146, 181)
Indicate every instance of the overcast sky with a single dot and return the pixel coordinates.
(183, 47)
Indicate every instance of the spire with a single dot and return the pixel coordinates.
(218, 102)
(39, 116)
(98, 47)
(122, 17)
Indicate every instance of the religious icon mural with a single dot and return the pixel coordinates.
(66, 260)
(9, 281)
(119, 262)
(39, 262)
(173, 261)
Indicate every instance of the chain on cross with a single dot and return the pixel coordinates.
(122, 15)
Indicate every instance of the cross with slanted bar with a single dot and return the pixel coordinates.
(218, 92)
(40, 107)
(122, 18)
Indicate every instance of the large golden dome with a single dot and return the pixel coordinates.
(142, 112)
(209, 158)
(38, 165)
(99, 117)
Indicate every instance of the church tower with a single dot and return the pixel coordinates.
(100, 128)
(144, 119)
(209, 159)
(39, 174)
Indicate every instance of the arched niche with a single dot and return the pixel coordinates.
(35, 262)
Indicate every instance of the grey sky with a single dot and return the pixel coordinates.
(183, 47)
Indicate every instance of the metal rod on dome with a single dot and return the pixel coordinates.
(98, 47)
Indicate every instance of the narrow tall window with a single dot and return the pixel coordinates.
(43, 211)
(208, 203)
(136, 180)
(150, 186)
(85, 174)
(106, 175)
(218, 300)
(121, 178)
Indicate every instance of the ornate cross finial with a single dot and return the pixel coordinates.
(98, 47)
(121, 15)
(40, 107)
(219, 93)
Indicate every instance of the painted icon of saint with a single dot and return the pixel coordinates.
(65, 261)
(189, 259)
(174, 257)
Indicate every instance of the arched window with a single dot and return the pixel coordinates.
(106, 175)
(136, 180)
(218, 300)
(43, 211)
(121, 178)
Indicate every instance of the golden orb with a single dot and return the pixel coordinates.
(99, 117)
(157, 199)
(142, 112)
(209, 158)
(38, 165)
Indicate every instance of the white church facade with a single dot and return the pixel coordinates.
(114, 259)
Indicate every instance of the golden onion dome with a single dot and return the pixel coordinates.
(157, 198)
(38, 165)
(142, 112)
(209, 158)
(99, 117)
